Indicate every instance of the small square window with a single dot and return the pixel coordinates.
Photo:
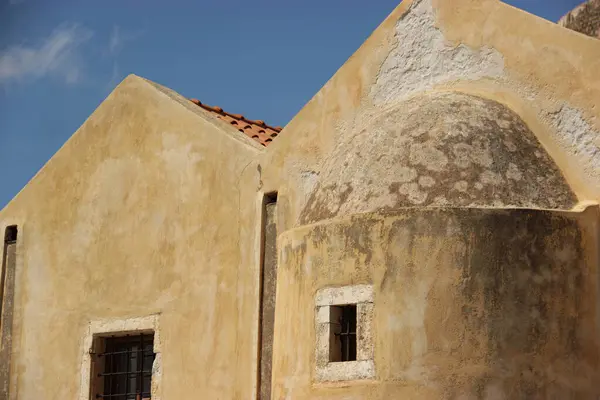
(124, 367)
(344, 343)
(343, 332)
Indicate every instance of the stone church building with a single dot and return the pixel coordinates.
(426, 227)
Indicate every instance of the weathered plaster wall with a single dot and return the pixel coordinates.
(468, 303)
(540, 72)
(268, 293)
(483, 48)
(153, 208)
(138, 214)
(9, 266)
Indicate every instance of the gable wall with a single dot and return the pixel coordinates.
(543, 72)
(151, 195)
(136, 215)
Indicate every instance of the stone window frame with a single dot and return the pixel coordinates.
(108, 327)
(364, 366)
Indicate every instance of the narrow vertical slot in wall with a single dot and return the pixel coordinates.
(7, 294)
(268, 285)
(10, 241)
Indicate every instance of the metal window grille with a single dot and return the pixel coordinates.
(127, 367)
(347, 334)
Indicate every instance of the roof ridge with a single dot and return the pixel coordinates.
(219, 110)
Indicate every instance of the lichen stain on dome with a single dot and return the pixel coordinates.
(440, 149)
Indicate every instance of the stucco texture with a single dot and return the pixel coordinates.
(468, 303)
(448, 163)
(441, 149)
(543, 74)
(508, 87)
(136, 215)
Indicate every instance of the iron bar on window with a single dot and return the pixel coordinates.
(127, 368)
(347, 333)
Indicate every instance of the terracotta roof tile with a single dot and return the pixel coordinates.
(254, 129)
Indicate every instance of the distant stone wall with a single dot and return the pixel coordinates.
(585, 19)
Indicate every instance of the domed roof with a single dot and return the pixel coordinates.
(440, 149)
(584, 18)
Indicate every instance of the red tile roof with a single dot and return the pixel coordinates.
(254, 129)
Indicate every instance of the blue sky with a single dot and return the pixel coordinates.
(59, 59)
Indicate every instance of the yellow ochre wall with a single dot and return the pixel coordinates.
(136, 215)
(468, 303)
(153, 207)
(545, 74)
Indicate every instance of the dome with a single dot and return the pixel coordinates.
(443, 149)
(584, 18)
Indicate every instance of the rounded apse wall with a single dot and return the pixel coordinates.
(467, 303)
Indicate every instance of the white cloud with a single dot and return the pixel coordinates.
(58, 55)
(115, 42)
(119, 38)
